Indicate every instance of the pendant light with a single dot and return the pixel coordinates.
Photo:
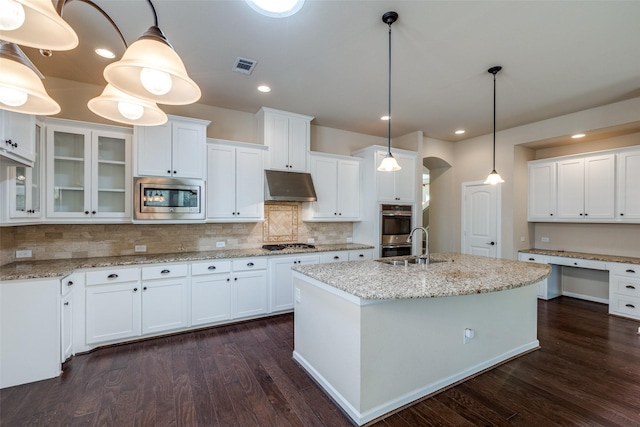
(150, 69)
(116, 105)
(35, 23)
(494, 177)
(21, 88)
(389, 163)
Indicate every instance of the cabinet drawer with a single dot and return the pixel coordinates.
(164, 271)
(334, 257)
(113, 276)
(581, 263)
(539, 259)
(625, 306)
(66, 285)
(360, 255)
(210, 267)
(625, 286)
(249, 264)
(629, 270)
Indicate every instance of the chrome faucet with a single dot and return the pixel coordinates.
(424, 258)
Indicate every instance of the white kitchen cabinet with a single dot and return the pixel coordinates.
(235, 181)
(23, 186)
(361, 255)
(624, 290)
(175, 149)
(113, 305)
(88, 172)
(628, 190)
(248, 287)
(288, 136)
(165, 302)
(542, 191)
(328, 257)
(337, 183)
(210, 292)
(585, 188)
(67, 309)
(281, 280)
(29, 331)
(551, 287)
(17, 140)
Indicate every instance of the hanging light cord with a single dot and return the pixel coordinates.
(494, 119)
(389, 112)
(155, 15)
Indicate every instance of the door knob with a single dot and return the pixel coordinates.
(492, 243)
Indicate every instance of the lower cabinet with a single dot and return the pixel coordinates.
(551, 287)
(248, 287)
(113, 312)
(210, 292)
(67, 308)
(624, 290)
(361, 255)
(165, 301)
(281, 298)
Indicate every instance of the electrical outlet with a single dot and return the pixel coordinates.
(220, 244)
(25, 253)
(349, 239)
(469, 334)
(140, 248)
(544, 239)
(297, 294)
(311, 240)
(522, 239)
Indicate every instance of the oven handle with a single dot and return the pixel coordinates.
(399, 245)
(394, 213)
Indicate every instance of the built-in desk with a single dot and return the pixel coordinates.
(623, 273)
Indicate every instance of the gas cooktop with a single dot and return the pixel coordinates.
(283, 246)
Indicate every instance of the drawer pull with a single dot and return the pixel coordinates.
(135, 289)
(66, 303)
(630, 271)
(361, 255)
(69, 283)
(630, 305)
(336, 257)
(630, 287)
(250, 264)
(165, 271)
(112, 276)
(532, 259)
(211, 267)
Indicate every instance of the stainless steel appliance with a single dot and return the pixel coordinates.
(168, 198)
(288, 186)
(395, 228)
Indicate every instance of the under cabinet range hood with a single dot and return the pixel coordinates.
(288, 186)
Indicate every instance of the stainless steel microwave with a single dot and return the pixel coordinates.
(168, 198)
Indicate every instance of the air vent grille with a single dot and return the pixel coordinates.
(244, 65)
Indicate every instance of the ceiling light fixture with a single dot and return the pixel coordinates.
(105, 53)
(578, 136)
(21, 88)
(35, 23)
(276, 8)
(264, 89)
(151, 69)
(116, 105)
(389, 163)
(494, 177)
(460, 132)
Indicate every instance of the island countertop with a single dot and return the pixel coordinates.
(451, 274)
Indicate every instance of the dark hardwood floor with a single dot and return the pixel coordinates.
(586, 373)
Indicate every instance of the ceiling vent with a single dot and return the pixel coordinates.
(244, 65)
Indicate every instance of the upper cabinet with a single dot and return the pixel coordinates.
(288, 137)
(235, 181)
(337, 183)
(88, 172)
(395, 187)
(17, 140)
(593, 187)
(174, 149)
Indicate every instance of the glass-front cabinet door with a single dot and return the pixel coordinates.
(89, 173)
(26, 183)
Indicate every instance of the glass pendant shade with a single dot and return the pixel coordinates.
(41, 27)
(389, 164)
(21, 89)
(494, 178)
(150, 69)
(119, 107)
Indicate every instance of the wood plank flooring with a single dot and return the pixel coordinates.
(587, 373)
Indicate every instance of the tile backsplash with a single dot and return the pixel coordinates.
(61, 241)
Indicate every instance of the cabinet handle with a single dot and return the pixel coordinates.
(135, 289)
(211, 267)
(169, 172)
(630, 287)
(165, 271)
(361, 255)
(144, 289)
(7, 142)
(580, 214)
(550, 214)
(630, 305)
(93, 212)
(336, 257)
(586, 214)
(631, 271)
(69, 283)
(249, 264)
(621, 214)
(112, 276)
(86, 212)
(235, 278)
(228, 279)
(532, 259)
(340, 213)
(575, 263)
(66, 303)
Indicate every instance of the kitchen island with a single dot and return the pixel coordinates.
(377, 336)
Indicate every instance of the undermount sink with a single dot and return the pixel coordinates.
(413, 260)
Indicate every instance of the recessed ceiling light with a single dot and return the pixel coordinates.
(578, 135)
(276, 8)
(264, 89)
(459, 131)
(384, 118)
(105, 53)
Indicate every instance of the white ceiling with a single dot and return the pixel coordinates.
(330, 60)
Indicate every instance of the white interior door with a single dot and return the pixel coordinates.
(480, 219)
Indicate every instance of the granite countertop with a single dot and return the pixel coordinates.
(582, 255)
(453, 274)
(62, 267)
